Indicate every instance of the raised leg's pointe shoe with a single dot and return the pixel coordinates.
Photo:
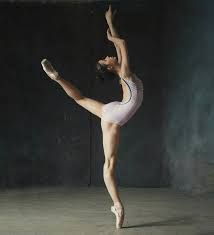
(49, 69)
(119, 213)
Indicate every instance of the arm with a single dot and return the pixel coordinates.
(121, 44)
(114, 33)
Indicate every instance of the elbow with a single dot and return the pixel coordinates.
(122, 44)
(122, 41)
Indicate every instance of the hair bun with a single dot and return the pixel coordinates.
(102, 72)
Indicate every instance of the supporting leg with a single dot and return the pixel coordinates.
(109, 179)
(110, 145)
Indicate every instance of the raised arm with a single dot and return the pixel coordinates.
(109, 18)
(121, 44)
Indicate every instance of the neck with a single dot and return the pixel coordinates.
(117, 70)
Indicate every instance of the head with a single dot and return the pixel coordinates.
(110, 63)
(107, 67)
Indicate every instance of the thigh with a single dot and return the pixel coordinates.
(111, 137)
(91, 105)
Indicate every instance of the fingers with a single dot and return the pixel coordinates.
(108, 34)
(110, 11)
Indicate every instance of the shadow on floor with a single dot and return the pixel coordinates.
(184, 220)
(206, 233)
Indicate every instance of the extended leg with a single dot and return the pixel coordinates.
(91, 105)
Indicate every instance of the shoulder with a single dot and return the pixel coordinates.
(126, 73)
(128, 76)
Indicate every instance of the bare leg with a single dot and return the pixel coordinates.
(71, 90)
(91, 105)
(110, 145)
(110, 141)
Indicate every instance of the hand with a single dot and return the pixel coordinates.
(108, 15)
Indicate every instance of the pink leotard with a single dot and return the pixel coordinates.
(121, 112)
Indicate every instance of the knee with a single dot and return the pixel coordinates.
(79, 99)
(108, 167)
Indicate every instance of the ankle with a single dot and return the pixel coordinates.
(118, 204)
(57, 77)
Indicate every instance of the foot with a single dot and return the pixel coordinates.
(50, 71)
(119, 213)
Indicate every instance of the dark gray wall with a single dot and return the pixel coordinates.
(188, 78)
(46, 138)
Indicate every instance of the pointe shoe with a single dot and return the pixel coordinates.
(119, 213)
(49, 69)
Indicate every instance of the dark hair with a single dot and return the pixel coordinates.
(103, 73)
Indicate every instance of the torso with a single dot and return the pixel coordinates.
(125, 88)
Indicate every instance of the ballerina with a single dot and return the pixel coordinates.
(113, 115)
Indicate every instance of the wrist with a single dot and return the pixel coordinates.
(109, 21)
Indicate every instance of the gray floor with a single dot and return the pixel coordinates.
(149, 211)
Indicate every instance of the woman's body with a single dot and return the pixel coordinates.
(110, 124)
(120, 112)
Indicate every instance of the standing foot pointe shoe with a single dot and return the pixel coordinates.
(49, 69)
(119, 213)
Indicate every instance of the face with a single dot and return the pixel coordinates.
(110, 61)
